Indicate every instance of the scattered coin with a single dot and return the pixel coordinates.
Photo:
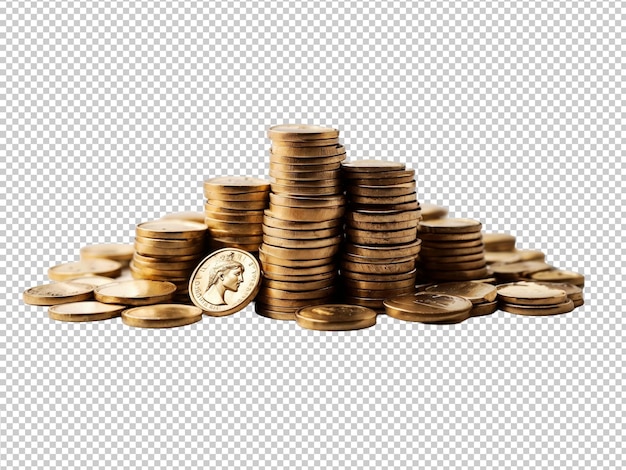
(84, 311)
(162, 316)
(99, 267)
(94, 281)
(136, 292)
(58, 293)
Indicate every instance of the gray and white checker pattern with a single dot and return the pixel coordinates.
(114, 112)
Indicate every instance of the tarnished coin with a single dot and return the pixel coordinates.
(388, 176)
(225, 282)
(171, 229)
(428, 251)
(427, 307)
(94, 281)
(402, 265)
(136, 292)
(499, 241)
(321, 325)
(235, 185)
(84, 311)
(58, 293)
(98, 267)
(475, 292)
(301, 133)
(433, 211)
(538, 310)
(193, 216)
(450, 225)
(381, 216)
(162, 316)
(114, 251)
(530, 293)
(559, 275)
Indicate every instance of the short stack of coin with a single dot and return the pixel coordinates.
(452, 250)
(533, 299)
(302, 228)
(381, 245)
(234, 211)
(169, 250)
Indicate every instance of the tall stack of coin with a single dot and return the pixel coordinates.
(234, 211)
(381, 245)
(169, 250)
(452, 250)
(302, 229)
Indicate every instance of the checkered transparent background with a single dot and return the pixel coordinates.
(114, 112)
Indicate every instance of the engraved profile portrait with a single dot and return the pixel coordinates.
(225, 275)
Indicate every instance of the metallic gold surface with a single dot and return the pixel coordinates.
(235, 185)
(136, 292)
(318, 325)
(383, 268)
(425, 306)
(475, 292)
(538, 310)
(94, 281)
(301, 132)
(516, 271)
(459, 275)
(378, 276)
(171, 229)
(559, 275)
(485, 308)
(450, 225)
(300, 254)
(113, 251)
(307, 202)
(317, 155)
(437, 265)
(530, 293)
(499, 241)
(84, 311)
(192, 216)
(371, 166)
(312, 234)
(401, 189)
(408, 249)
(505, 257)
(475, 237)
(433, 211)
(98, 267)
(275, 313)
(154, 251)
(162, 316)
(225, 282)
(336, 313)
(301, 243)
(58, 293)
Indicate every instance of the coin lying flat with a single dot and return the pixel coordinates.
(193, 216)
(301, 133)
(499, 242)
(94, 281)
(225, 282)
(171, 229)
(538, 310)
(575, 293)
(235, 185)
(371, 166)
(504, 257)
(559, 275)
(318, 325)
(475, 292)
(136, 292)
(84, 311)
(58, 293)
(427, 307)
(433, 211)
(99, 267)
(162, 316)
(336, 313)
(530, 293)
(113, 251)
(450, 226)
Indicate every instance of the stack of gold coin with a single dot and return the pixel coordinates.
(302, 229)
(234, 211)
(169, 250)
(482, 295)
(452, 250)
(530, 298)
(378, 260)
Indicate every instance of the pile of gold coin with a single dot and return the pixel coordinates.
(381, 246)
(452, 250)
(234, 211)
(533, 299)
(169, 250)
(302, 228)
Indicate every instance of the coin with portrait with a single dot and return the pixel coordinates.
(225, 282)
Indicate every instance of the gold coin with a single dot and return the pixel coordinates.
(384, 252)
(380, 284)
(142, 275)
(235, 185)
(310, 214)
(162, 316)
(298, 277)
(288, 262)
(388, 176)
(383, 226)
(313, 183)
(451, 225)
(406, 207)
(237, 197)
(281, 303)
(307, 202)
(298, 286)
(383, 268)
(494, 257)
(274, 313)
(169, 273)
(390, 259)
(453, 245)
(531, 255)
(296, 254)
(84, 311)
(171, 229)
(169, 244)
(325, 154)
(98, 267)
(381, 216)
(428, 237)
(283, 295)
(499, 242)
(401, 189)
(538, 310)
(429, 252)
(378, 277)
(336, 313)
(224, 206)
(136, 292)
(156, 252)
(475, 292)
(163, 265)
(304, 168)
(270, 221)
(275, 269)
(383, 200)
(333, 175)
(213, 217)
(113, 251)
(427, 307)
(371, 166)
(221, 227)
(313, 234)
(381, 294)
(94, 281)
(241, 230)
(485, 308)
(301, 132)
(241, 239)
(459, 275)
(515, 271)
(192, 216)
(438, 266)
(334, 326)
(368, 237)
(295, 190)
(249, 247)
(529, 293)
(58, 293)
(225, 282)
(575, 293)
(559, 275)
(295, 146)
(433, 211)
(302, 243)
(153, 261)
(452, 259)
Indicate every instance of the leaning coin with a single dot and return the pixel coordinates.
(99, 267)
(225, 282)
(58, 293)
(84, 311)
(136, 292)
(162, 316)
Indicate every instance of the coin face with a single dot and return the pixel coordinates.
(225, 282)
(425, 303)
